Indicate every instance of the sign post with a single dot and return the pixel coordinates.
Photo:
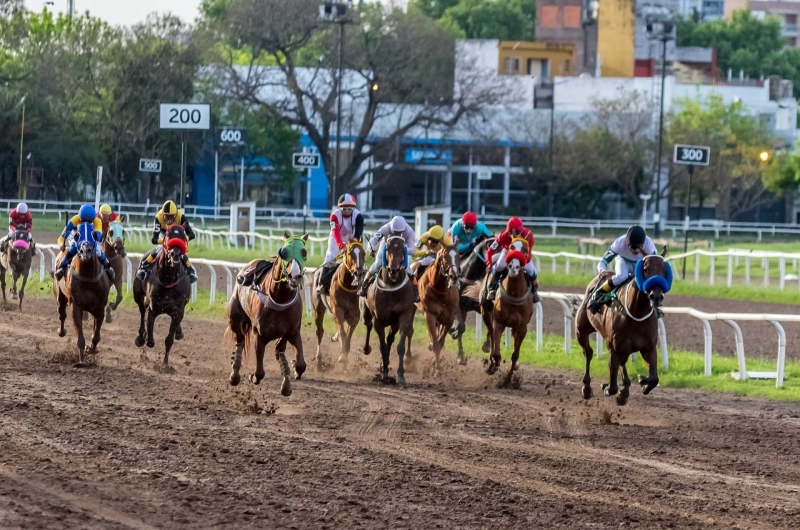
(307, 160)
(184, 117)
(690, 155)
(98, 185)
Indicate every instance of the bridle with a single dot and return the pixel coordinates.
(447, 269)
(389, 241)
(355, 266)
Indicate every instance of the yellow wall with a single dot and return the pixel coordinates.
(560, 56)
(616, 27)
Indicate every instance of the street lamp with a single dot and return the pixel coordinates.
(645, 197)
(764, 156)
(21, 146)
(590, 13)
(660, 27)
(337, 13)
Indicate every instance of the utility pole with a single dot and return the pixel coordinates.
(71, 8)
(21, 148)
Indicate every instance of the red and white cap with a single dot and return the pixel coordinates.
(346, 200)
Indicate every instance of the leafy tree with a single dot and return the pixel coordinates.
(483, 19)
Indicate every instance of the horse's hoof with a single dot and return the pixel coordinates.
(139, 341)
(109, 320)
(367, 349)
(298, 370)
(81, 365)
(462, 360)
(491, 369)
(335, 338)
(430, 346)
(587, 392)
(485, 348)
(622, 400)
(13, 296)
(179, 335)
(608, 391)
(62, 332)
(286, 387)
(255, 380)
(151, 343)
(235, 379)
(401, 379)
(342, 358)
(167, 369)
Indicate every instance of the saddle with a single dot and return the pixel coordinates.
(255, 274)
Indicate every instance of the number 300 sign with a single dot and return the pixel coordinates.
(180, 116)
(693, 155)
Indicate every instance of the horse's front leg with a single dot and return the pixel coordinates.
(494, 356)
(432, 327)
(98, 323)
(151, 320)
(622, 397)
(139, 341)
(261, 344)
(461, 323)
(62, 313)
(22, 290)
(299, 364)
(77, 322)
(3, 282)
(381, 333)
(286, 372)
(341, 331)
(650, 356)
(14, 278)
(611, 388)
(174, 326)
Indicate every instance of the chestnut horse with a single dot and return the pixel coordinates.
(86, 287)
(390, 303)
(114, 246)
(438, 295)
(631, 327)
(513, 309)
(473, 271)
(343, 301)
(165, 291)
(17, 259)
(275, 312)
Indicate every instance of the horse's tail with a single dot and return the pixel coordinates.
(229, 338)
(575, 300)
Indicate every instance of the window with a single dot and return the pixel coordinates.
(549, 17)
(572, 16)
(511, 65)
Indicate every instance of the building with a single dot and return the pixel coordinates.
(542, 60)
(566, 21)
(787, 11)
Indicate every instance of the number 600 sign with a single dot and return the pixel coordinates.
(180, 116)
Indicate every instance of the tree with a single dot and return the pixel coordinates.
(483, 19)
(737, 139)
(390, 56)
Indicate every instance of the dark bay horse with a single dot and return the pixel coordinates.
(390, 303)
(473, 271)
(513, 309)
(438, 294)
(114, 247)
(17, 258)
(165, 291)
(86, 287)
(343, 302)
(630, 327)
(275, 312)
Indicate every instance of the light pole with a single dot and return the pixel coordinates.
(645, 197)
(589, 19)
(21, 148)
(664, 35)
(337, 13)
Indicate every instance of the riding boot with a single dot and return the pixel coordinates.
(62, 269)
(144, 270)
(362, 291)
(491, 292)
(324, 287)
(600, 296)
(3, 245)
(416, 287)
(192, 274)
(535, 290)
(109, 270)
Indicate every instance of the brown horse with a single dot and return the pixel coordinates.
(438, 294)
(631, 328)
(390, 303)
(86, 287)
(165, 291)
(513, 309)
(473, 271)
(343, 302)
(17, 258)
(114, 247)
(275, 312)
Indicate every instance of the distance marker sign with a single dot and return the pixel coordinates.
(184, 116)
(150, 165)
(692, 155)
(305, 160)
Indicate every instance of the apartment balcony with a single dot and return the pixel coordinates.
(789, 30)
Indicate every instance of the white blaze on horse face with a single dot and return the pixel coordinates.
(295, 271)
(514, 267)
(516, 245)
(359, 258)
(453, 254)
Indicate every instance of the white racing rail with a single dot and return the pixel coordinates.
(566, 302)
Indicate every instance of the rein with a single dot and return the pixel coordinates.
(381, 285)
(439, 272)
(627, 311)
(515, 300)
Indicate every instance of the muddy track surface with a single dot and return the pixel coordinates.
(125, 445)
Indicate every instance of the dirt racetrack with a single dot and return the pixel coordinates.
(122, 445)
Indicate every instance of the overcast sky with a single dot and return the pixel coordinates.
(124, 12)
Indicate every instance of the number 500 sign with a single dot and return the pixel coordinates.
(180, 116)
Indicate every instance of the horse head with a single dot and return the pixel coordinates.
(520, 244)
(115, 237)
(450, 263)
(85, 251)
(653, 275)
(395, 257)
(293, 256)
(355, 261)
(19, 242)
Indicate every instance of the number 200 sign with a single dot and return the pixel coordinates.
(693, 155)
(184, 116)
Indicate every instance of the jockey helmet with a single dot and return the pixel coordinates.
(87, 213)
(22, 208)
(169, 208)
(398, 224)
(436, 232)
(515, 223)
(469, 219)
(635, 236)
(346, 200)
(105, 209)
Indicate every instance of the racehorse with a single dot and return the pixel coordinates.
(438, 294)
(113, 246)
(343, 301)
(86, 287)
(390, 303)
(17, 259)
(165, 291)
(273, 312)
(473, 270)
(512, 308)
(631, 328)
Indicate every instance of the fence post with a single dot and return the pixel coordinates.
(781, 353)
(662, 339)
(128, 274)
(229, 277)
(478, 328)
(539, 326)
(782, 272)
(739, 349)
(567, 325)
(697, 267)
(730, 270)
(41, 265)
(713, 272)
(598, 344)
(213, 294)
(747, 271)
(766, 272)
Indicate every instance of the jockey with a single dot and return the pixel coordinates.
(108, 216)
(432, 240)
(514, 230)
(18, 219)
(468, 231)
(169, 214)
(346, 223)
(84, 224)
(396, 227)
(625, 251)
